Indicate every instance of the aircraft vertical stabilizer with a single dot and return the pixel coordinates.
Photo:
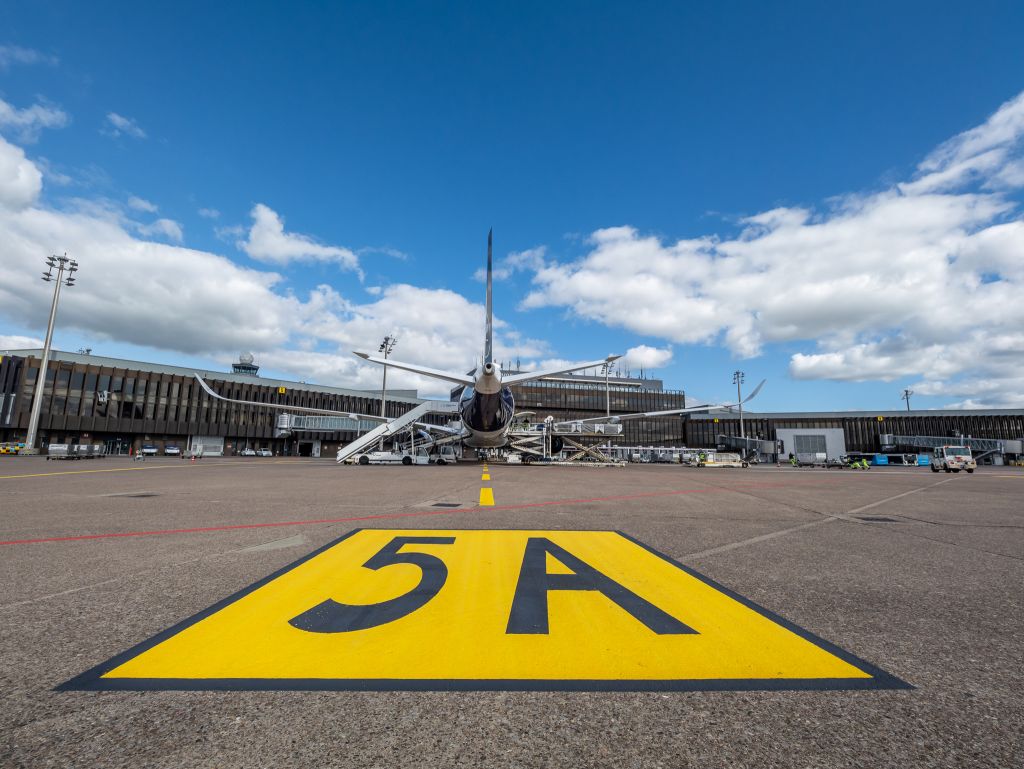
(489, 329)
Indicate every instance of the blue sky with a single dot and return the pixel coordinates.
(793, 190)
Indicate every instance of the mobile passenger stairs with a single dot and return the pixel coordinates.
(409, 421)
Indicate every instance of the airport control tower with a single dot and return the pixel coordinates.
(245, 365)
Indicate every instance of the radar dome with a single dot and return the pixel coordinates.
(246, 358)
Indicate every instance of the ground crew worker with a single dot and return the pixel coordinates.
(701, 459)
(792, 459)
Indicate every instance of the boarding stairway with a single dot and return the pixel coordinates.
(429, 441)
(396, 425)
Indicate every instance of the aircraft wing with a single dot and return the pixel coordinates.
(286, 407)
(651, 414)
(528, 376)
(448, 376)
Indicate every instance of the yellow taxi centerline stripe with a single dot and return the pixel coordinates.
(486, 497)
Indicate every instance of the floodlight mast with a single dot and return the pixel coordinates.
(606, 370)
(70, 266)
(737, 379)
(385, 347)
(906, 396)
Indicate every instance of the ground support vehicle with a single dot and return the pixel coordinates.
(264, 453)
(445, 455)
(953, 459)
(60, 451)
(248, 452)
(88, 451)
(419, 457)
(172, 451)
(714, 459)
(811, 459)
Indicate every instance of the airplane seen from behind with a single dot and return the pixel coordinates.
(486, 405)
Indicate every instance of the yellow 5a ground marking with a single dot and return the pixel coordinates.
(472, 610)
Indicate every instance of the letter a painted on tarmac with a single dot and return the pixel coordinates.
(529, 613)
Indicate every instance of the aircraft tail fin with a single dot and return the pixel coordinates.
(489, 322)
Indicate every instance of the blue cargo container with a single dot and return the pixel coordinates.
(880, 459)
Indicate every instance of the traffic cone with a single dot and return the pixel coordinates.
(193, 457)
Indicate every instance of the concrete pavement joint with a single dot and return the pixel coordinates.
(847, 516)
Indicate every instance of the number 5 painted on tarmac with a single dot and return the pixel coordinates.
(333, 617)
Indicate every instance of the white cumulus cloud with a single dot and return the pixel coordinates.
(173, 298)
(20, 180)
(921, 279)
(8, 342)
(645, 356)
(268, 242)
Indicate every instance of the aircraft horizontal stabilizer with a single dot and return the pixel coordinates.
(529, 376)
(653, 414)
(755, 392)
(448, 376)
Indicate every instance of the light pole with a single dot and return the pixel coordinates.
(737, 379)
(906, 396)
(70, 266)
(606, 370)
(385, 347)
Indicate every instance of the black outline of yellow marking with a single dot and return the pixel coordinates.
(92, 680)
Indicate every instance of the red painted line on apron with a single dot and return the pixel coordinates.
(386, 516)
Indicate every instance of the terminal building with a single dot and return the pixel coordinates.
(124, 404)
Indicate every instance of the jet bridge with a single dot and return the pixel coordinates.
(982, 445)
(396, 425)
(289, 423)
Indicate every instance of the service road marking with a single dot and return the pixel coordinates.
(182, 466)
(394, 609)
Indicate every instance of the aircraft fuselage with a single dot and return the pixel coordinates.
(486, 408)
(486, 417)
